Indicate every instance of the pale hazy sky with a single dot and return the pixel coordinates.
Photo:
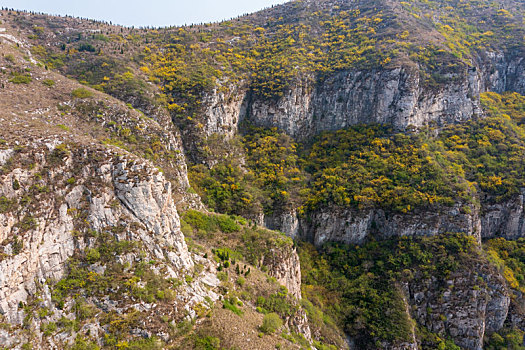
(145, 12)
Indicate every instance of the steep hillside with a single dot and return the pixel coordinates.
(92, 253)
(386, 138)
(305, 67)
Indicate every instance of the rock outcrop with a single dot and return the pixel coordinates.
(504, 219)
(224, 110)
(99, 186)
(468, 305)
(352, 226)
(285, 221)
(284, 265)
(396, 96)
(503, 72)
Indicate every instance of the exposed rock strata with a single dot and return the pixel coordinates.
(470, 304)
(109, 190)
(396, 96)
(284, 265)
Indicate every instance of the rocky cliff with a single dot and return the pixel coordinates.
(469, 305)
(284, 265)
(397, 97)
(57, 198)
(89, 228)
(357, 226)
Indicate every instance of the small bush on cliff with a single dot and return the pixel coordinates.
(48, 82)
(7, 204)
(209, 223)
(505, 339)
(227, 224)
(271, 323)
(207, 343)
(82, 344)
(279, 303)
(230, 304)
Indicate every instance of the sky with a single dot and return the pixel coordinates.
(138, 13)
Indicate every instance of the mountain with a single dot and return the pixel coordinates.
(144, 171)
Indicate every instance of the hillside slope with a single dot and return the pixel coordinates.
(92, 252)
(386, 138)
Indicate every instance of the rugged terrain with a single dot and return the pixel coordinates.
(384, 139)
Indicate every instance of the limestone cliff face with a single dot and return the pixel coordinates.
(284, 265)
(353, 226)
(391, 96)
(157, 129)
(286, 221)
(61, 187)
(504, 220)
(468, 305)
(395, 96)
(503, 72)
(224, 110)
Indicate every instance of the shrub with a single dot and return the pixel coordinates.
(227, 224)
(271, 323)
(222, 276)
(82, 93)
(198, 220)
(92, 255)
(279, 303)
(48, 328)
(6, 204)
(21, 79)
(48, 82)
(207, 343)
(27, 223)
(86, 48)
(230, 305)
(81, 344)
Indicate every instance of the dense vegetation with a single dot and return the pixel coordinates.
(226, 189)
(371, 166)
(509, 256)
(271, 179)
(361, 286)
